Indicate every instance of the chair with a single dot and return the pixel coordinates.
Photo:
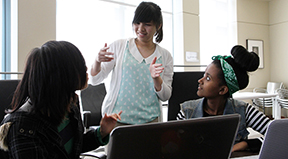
(262, 102)
(266, 102)
(184, 87)
(273, 86)
(91, 100)
(282, 98)
(7, 88)
(276, 140)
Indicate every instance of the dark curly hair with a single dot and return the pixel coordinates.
(242, 62)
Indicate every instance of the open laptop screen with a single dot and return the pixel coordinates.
(209, 137)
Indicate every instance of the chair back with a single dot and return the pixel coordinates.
(276, 140)
(272, 86)
(184, 87)
(282, 93)
(91, 100)
(7, 89)
(282, 97)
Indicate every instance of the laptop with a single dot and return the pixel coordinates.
(208, 137)
(276, 140)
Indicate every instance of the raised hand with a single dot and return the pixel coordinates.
(103, 55)
(155, 69)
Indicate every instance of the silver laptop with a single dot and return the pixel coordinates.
(275, 144)
(209, 137)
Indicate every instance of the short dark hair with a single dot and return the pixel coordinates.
(52, 74)
(242, 62)
(147, 12)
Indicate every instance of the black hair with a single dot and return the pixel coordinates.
(147, 12)
(242, 62)
(52, 74)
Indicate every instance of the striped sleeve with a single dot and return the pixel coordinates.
(180, 115)
(256, 119)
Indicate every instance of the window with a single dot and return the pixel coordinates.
(8, 56)
(89, 24)
(3, 55)
(217, 28)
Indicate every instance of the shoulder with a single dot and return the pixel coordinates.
(239, 103)
(17, 124)
(118, 44)
(192, 108)
(23, 120)
(163, 51)
(240, 106)
(16, 116)
(191, 104)
(120, 41)
(26, 124)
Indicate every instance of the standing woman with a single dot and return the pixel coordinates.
(141, 70)
(45, 120)
(223, 77)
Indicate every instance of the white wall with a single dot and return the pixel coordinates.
(253, 23)
(268, 21)
(279, 40)
(36, 25)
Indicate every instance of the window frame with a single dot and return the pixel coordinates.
(6, 40)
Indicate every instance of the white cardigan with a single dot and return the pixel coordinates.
(118, 48)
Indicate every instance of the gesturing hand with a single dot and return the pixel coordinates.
(155, 69)
(108, 122)
(103, 55)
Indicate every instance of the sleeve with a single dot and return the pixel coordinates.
(180, 115)
(167, 77)
(257, 120)
(92, 140)
(103, 141)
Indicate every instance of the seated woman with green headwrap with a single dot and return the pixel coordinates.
(223, 77)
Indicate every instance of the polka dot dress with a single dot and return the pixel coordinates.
(137, 98)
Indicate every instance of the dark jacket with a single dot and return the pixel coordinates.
(33, 136)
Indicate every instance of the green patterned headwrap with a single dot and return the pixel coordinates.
(229, 74)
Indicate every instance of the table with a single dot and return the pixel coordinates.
(252, 95)
(276, 109)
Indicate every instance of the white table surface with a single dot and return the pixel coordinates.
(276, 110)
(252, 95)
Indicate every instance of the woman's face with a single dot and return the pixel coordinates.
(145, 31)
(209, 84)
